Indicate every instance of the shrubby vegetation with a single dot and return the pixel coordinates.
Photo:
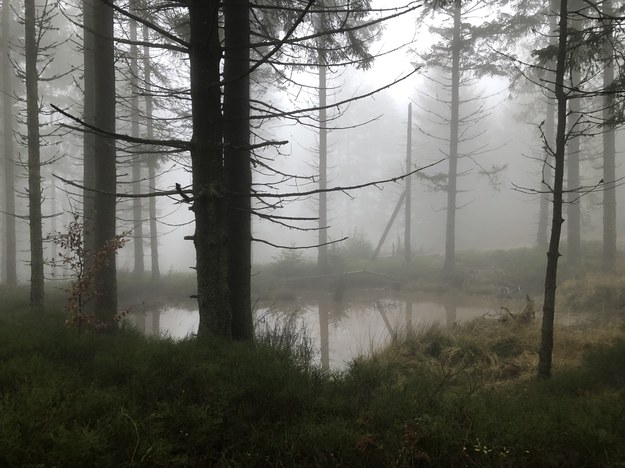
(464, 397)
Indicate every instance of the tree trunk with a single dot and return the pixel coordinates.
(322, 254)
(88, 212)
(549, 135)
(149, 106)
(137, 212)
(450, 242)
(237, 163)
(34, 157)
(408, 207)
(105, 277)
(9, 170)
(210, 236)
(53, 226)
(547, 176)
(546, 340)
(573, 221)
(609, 163)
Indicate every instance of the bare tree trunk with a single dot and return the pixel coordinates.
(573, 221)
(549, 304)
(10, 259)
(549, 135)
(137, 212)
(450, 242)
(322, 254)
(609, 163)
(53, 227)
(149, 106)
(237, 163)
(88, 137)
(547, 176)
(105, 278)
(210, 236)
(408, 207)
(34, 157)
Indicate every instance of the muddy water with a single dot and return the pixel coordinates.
(339, 329)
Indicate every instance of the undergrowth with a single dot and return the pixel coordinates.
(466, 397)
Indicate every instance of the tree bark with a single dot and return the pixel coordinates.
(546, 340)
(322, 253)
(408, 207)
(210, 236)
(149, 111)
(549, 136)
(573, 238)
(10, 254)
(609, 158)
(105, 277)
(547, 176)
(34, 156)
(237, 163)
(137, 209)
(88, 211)
(450, 240)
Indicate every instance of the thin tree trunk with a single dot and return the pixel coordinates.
(322, 254)
(88, 137)
(149, 106)
(450, 241)
(210, 236)
(34, 157)
(53, 227)
(105, 277)
(137, 212)
(573, 221)
(549, 135)
(547, 176)
(237, 163)
(10, 259)
(549, 304)
(324, 332)
(408, 207)
(609, 163)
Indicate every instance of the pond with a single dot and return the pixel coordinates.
(340, 330)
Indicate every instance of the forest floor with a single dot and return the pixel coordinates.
(467, 396)
(461, 396)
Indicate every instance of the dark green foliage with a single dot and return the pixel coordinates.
(122, 399)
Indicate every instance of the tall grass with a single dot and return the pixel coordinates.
(465, 397)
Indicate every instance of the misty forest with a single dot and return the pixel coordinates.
(312, 233)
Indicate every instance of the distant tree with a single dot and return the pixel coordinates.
(151, 160)
(576, 129)
(334, 45)
(137, 209)
(609, 143)
(461, 57)
(10, 253)
(31, 40)
(542, 237)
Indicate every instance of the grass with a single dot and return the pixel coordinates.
(467, 397)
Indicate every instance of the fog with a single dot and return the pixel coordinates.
(367, 143)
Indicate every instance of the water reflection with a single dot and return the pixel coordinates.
(341, 329)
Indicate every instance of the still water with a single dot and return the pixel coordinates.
(340, 330)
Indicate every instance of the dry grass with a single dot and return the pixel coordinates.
(494, 352)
